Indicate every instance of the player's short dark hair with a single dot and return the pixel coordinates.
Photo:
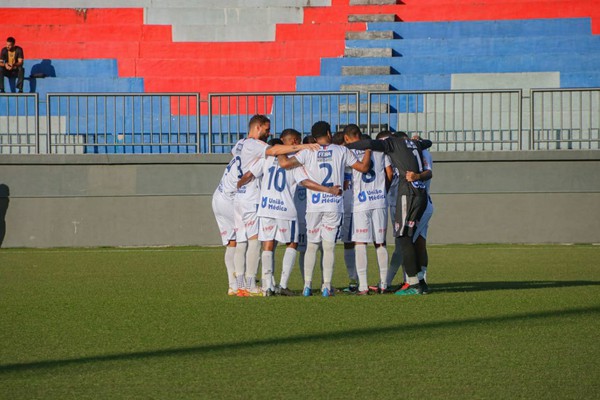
(364, 136)
(308, 139)
(338, 138)
(383, 134)
(320, 129)
(401, 135)
(290, 132)
(274, 142)
(258, 119)
(11, 39)
(352, 130)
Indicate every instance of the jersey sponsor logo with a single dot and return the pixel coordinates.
(371, 195)
(323, 198)
(312, 231)
(365, 230)
(323, 155)
(268, 228)
(301, 194)
(273, 204)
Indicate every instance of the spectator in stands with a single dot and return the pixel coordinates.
(11, 64)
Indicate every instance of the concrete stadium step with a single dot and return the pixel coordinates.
(205, 85)
(363, 88)
(364, 107)
(370, 52)
(372, 18)
(481, 46)
(562, 62)
(366, 70)
(372, 2)
(370, 35)
(473, 29)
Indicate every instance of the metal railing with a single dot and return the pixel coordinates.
(19, 124)
(494, 120)
(229, 113)
(565, 119)
(454, 120)
(123, 123)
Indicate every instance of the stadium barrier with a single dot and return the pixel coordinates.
(134, 123)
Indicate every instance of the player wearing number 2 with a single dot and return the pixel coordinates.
(406, 156)
(323, 211)
(369, 212)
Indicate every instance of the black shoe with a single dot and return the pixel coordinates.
(286, 292)
(269, 293)
(424, 287)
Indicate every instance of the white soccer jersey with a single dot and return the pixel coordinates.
(278, 188)
(233, 172)
(326, 166)
(252, 151)
(369, 188)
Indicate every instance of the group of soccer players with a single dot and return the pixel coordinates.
(310, 195)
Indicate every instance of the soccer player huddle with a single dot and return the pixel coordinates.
(310, 194)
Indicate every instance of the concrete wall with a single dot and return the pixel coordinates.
(153, 200)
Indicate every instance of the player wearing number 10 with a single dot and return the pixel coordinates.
(323, 211)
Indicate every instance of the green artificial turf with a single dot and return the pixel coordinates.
(502, 322)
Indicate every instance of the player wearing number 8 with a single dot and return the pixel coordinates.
(369, 212)
(406, 156)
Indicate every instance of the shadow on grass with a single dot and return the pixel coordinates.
(234, 347)
(515, 285)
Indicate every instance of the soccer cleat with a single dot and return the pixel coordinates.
(243, 293)
(325, 292)
(424, 287)
(409, 291)
(286, 292)
(268, 293)
(352, 287)
(307, 292)
(374, 288)
(255, 292)
(363, 292)
(231, 292)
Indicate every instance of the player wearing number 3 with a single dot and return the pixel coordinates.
(324, 211)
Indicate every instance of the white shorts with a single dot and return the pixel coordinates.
(284, 231)
(323, 226)
(221, 206)
(246, 221)
(423, 224)
(346, 229)
(370, 226)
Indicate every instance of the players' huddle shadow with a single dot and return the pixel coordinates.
(459, 287)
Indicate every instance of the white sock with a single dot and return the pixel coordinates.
(230, 266)
(328, 262)
(239, 261)
(350, 260)
(395, 264)
(267, 269)
(382, 260)
(310, 259)
(412, 280)
(361, 266)
(252, 261)
(289, 259)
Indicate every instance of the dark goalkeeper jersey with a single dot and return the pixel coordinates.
(405, 154)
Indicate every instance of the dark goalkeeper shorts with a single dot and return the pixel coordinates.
(409, 209)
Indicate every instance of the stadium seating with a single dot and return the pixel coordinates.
(299, 45)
